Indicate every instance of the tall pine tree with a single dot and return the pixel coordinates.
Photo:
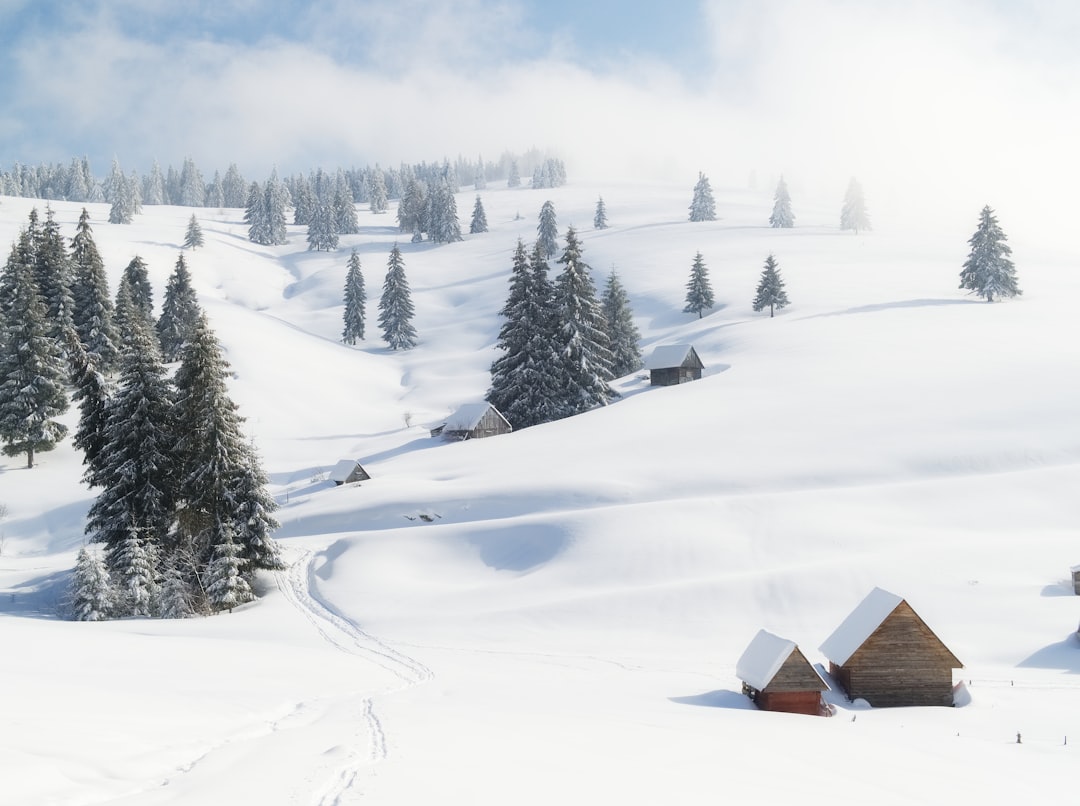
(600, 218)
(623, 333)
(93, 309)
(853, 215)
(988, 270)
(180, 312)
(395, 305)
(782, 217)
(479, 218)
(193, 237)
(770, 290)
(547, 231)
(355, 302)
(699, 294)
(702, 206)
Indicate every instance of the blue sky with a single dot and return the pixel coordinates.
(920, 94)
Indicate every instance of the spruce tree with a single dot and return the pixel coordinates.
(523, 378)
(93, 309)
(137, 280)
(52, 274)
(782, 216)
(303, 201)
(180, 312)
(192, 187)
(699, 294)
(410, 209)
(770, 290)
(853, 215)
(92, 393)
(547, 231)
(622, 332)
(255, 216)
(395, 305)
(513, 176)
(219, 479)
(227, 586)
(583, 367)
(175, 599)
(345, 221)
(275, 200)
(193, 238)
(322, 233)
(479, 218)
(989, 271)
(234, 187)
(32, 373)
(600, 218)
(443, 225)
(92, 594)
(355, 302)
(379, 202)
(703, 206)
(136, 568)
(138, 472)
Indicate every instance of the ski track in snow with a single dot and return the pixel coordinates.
(297, 585)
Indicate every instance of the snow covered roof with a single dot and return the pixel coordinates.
(468, 416)
(342, 470)
(859, 625)
(1075, 568)
(763, 658)
(669, 355)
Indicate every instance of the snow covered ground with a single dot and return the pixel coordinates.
(563, 623)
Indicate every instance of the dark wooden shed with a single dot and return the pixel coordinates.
(348, 471)
(777, 676)
(885, 654)
(1076, 579)
(672, 364)
(474, 421)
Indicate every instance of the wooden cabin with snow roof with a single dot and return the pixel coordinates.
(348, 471)
(777, 676)
(473, 421)
(885, 654)
(1075, 570)
(672, 364)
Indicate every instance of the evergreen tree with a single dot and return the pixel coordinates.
(194, 237)
(180, 312)
(92, 595)
(355, 300)
(322, 233)
(853, 215)
(344, 208)
(379, 201)
(212, 455)
(443, 226)
(513, 177)
(227, 587)
(703, 206)
(622, 332)
(410, 213)
(154, 186)
(547, 231)
(770, 290)
(136, 567)
(31, 373)
(122, 207)
(303, 201)
(192, 187)
(52, 275)
(255, 216)
(522, 378)
(92, 394)
(138, 472)
(479, 218)
(989, 271)
(699, 294)
(175, 598)
(234, 187)
(582, 345)
(275, 200)
(215, 194)
(93, 310)
(600, 219)
(782, 216)
(395, 305)
(137, 281)
(253, 515)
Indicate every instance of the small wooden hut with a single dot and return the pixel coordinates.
(777, 676)
(348, 471)
(672, 364)
(474, 421)
(1076, 579)
(885, 654)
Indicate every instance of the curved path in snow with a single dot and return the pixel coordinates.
(297, 585)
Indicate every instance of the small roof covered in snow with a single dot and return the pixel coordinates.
(1075, 568)
(763, 658)
(860, 624)
(468, 416)
(343, 469)
(670, 355)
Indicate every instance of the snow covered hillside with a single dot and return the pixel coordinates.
(555, 615)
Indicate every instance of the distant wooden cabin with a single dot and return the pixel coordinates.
(885, 654)
(473, 421)
(1076, 579)
(348, 471)
(672, 364)
(777, 676)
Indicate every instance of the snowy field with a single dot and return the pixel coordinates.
(562, 624)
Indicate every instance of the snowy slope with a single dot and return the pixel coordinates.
(563, 622)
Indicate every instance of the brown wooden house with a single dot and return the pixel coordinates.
(778, 677)
(885, 654)
(672, 364)
(473, 421)
(1076, 579)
